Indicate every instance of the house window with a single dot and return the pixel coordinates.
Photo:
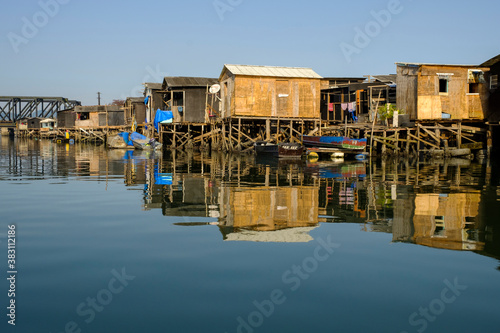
(178, 98)
(443, 86)
(473, 88)
(82, 116)
(494, 82)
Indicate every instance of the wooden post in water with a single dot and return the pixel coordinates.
(239, 134)
(489, 141)
(384, 146)
(408, 142)
(459, 135)
(438, 135)
(231, 146)
(418, 141)
(278, 131)
(397, 141)
(268, 129)
(174, 142)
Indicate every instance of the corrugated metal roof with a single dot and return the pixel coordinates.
(136, 99)
(183, 81)
(491, 62)
(295, 72)
(424, 64)
(391, 78)
(154, 86)
(48, 120)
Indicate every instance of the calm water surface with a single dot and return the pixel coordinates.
(124, 241)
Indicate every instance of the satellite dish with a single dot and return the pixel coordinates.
(215, 89)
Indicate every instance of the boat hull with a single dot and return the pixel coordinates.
(266, 148)
(290, 150)
(146, 144)
(282, 150)
(339, 142)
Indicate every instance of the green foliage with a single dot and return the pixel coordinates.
(387, 111)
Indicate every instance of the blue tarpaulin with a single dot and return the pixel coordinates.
(162, 116)
(146, 100)
(137, 136)
(126, 138)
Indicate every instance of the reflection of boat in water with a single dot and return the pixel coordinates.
(136, 154)
(332, 170)
(281, 150)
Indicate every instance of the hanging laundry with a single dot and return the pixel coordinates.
(330, 107)
(352, 111)
(344, 106)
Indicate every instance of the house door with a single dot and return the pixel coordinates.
(282, 97)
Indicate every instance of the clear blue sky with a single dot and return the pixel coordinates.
(86, 46)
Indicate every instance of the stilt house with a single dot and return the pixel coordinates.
(429, 91)
(264, 91)
(188, 98)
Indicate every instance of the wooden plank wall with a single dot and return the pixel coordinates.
(407, 82)
(418, 93)
(271, 97)
(93, 121)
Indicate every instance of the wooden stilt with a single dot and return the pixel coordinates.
(459, 135)
(407, 151)
(418, 139)
(384, 144)
(268, 129)
(489, 141)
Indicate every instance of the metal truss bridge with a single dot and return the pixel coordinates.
(13, 108)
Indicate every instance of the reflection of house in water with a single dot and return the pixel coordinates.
(44, 158)
(269, 208)
(188, 197)
(447, 221)
(179, 188)
(271, 205)
(290, 235)
(249, 202)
